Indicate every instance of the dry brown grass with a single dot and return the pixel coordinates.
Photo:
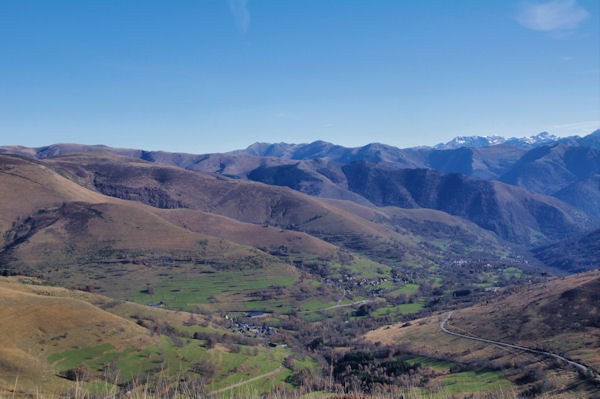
(183, 391)
(520, 317)
(39, 321)
(26, 186)
(244, 201)
(561, 315)
(246, 233)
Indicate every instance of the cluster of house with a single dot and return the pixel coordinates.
(247, 328)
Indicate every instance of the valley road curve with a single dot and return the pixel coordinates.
(579, 366)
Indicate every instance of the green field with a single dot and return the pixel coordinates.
(398, 309)
(168, 359)
(438, 365)
(474, 381)
(316, 305)
(408, 289)
(70, 359)
(185, 292)
(512, 272)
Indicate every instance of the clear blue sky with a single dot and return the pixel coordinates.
(210, 76)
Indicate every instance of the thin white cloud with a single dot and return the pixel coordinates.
(575, 129)
(558, 15)
(240, 13)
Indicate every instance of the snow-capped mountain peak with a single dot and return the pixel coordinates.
(486, 141)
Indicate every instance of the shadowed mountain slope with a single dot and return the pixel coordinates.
(583, 194)
(329, 178)
(549, 169)
(542, 164)
(170, 187)
(511, 212)
(572, 255)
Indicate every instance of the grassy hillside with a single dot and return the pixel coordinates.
(124, 251)
(27, 185)
(559, 315)
(333, 221)
(191, 239)
(76, 237)
(51, 336)
(40, 322)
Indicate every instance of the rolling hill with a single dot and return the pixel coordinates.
(542, 164)
(559, 316)
(39, 322)
(150, 233)
(76, 237)
(248, 202)
(58, 342)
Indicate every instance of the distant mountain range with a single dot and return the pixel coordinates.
(294, 232)
(322, 149)
(486, 141)
(529, 191)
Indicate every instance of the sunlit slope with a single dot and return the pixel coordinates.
(75, 237)
(560, 316)
(121, 250)
(50, 335)
(343, 223)
(40, 322)
(171, 187)
(266, 237)
(26, 186)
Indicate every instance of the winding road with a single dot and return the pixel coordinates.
(580, 366)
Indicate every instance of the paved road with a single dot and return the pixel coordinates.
(580, 366)
(239, 384)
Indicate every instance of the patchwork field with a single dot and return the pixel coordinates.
(114, 343)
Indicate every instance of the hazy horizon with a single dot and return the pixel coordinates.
(278, 142)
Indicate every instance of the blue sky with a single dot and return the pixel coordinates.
(211, 76)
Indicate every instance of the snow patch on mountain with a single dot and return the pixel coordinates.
(486, 141)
